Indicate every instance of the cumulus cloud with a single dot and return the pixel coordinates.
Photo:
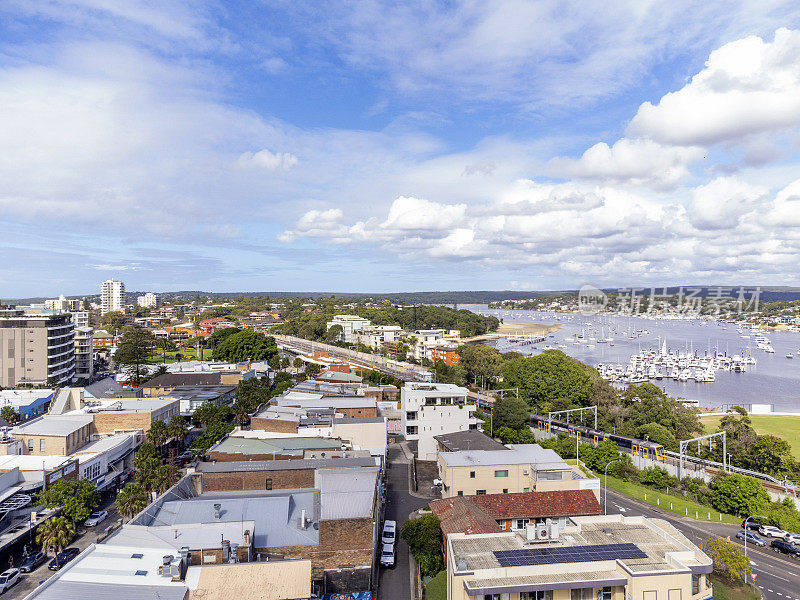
(264, 159)
(721, 203)
(408, 213)
(747, 86)
(635, 161)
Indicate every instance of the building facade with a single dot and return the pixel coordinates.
(149, 300)
(350, 324)
(431, 409)
(36, 348)
(112, 296)
(63, 304)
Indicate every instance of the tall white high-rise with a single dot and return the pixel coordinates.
(112, 296)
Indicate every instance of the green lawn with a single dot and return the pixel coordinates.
(785, 427)
(723, 591)
(186, 353)
(667, 502)
(436, 588)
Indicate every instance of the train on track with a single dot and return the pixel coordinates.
(588, 435)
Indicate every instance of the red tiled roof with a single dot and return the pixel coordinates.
(539, 505)
(459, 515)
(479, 514)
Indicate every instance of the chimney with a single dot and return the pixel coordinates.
(217, 511)
(247, 537)
(167, 559)
(226, 550)
(234, 553)
(302, 522)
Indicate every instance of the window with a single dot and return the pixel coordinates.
(411, 430)
(30, 445)
(41, 445)
(472, 474)
(411, 415)
(269, 484)
(549, 475)
(142, 573)
(460, 493)
(582, 594)
(501, 473)
(526, 489)
(492, 597)
(541, 595)
(480, 492)
(505, 490)
(696, 584)
(606, 593)
(137, 555)
(520, 523)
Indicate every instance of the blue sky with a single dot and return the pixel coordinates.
(368, 146)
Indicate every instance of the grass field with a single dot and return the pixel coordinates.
(787, 428)
(724, 591)
(667, 502)
(436, 588)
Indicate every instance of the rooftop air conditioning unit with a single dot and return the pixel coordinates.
(552, 530)
(541, 532)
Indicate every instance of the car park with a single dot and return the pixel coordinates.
(771, 531)
(750, 538)
(31, 561)
(63, 558)
(95, 518)
(389, 535)
(387, 555)
(8, 579)
(785, 548)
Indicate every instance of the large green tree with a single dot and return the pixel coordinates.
(548, 377)
(482, 363)
(729, 560)
(55, 533)
(135, 346)
(76, 497)
(246, 345)
(738, 494)
(424, 538)
(511, 412)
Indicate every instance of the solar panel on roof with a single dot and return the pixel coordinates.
(565, 554)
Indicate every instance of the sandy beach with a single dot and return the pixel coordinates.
(515, 328)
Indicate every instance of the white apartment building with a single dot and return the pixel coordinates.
(350, 324)
(149, 300)
(429, 409)
(62, 303)
(425, 341)
(377, 336)
(112, 296)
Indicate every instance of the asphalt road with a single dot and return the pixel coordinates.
(777, 575)
(86, 536)
(394, 583)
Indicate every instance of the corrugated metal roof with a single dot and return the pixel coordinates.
(543, 459)
(346, 493)
(240, 445)
(56, 425)
(283, 465)
(109, 591)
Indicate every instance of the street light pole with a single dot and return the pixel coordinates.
(605, 485)
(746, 530)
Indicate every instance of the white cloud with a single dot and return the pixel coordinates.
(747, 86)
(264, 159)
(721, 203)
(635, 161)
(407, 213)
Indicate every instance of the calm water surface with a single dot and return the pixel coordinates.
(774, 380)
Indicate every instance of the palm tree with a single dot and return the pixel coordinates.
(157, 434)
(131, 500)
(56, 532)
(177, 428)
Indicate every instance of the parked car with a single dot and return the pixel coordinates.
(752, 538)
(63, 558)
(32, 561)
(95, 518)
(771, 531)
(751, 525)
(785, 547)
(389, 535)
(794, 538)
(8, 579)
(387, 555)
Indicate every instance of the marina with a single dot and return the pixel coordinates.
(702, 361)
